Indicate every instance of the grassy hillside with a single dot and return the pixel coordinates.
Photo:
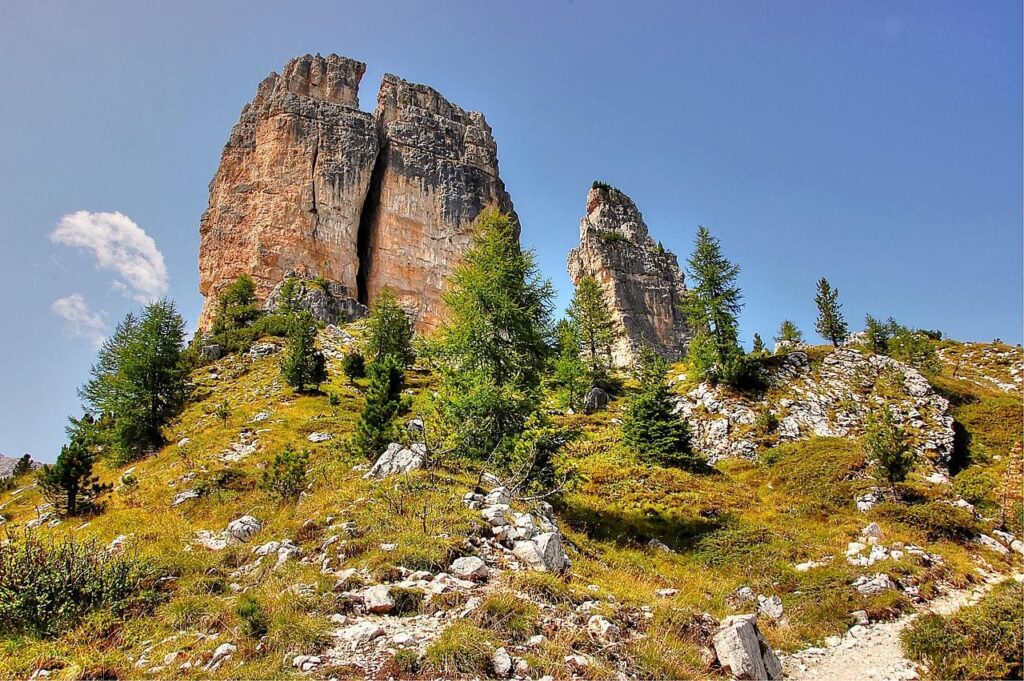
(652, 548)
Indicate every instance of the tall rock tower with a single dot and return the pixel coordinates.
(308, 183)
(642, 282)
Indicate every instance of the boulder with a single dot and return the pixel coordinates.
(397, 459)
(243, 529)
(469, 567)
(596, 399)
(543, 553)
(770, 606)
(501, 662)
(743, 651)
(261, 350)
(377, 599)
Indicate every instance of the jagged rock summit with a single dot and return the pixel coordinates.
(642, 282)
(310, 184)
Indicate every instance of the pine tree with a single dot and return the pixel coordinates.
(23, 466)
(592, 318)
(877, 335)
(491, 352)
(570, 373)
(69, 483)
(375, 428)
(886, 442)
(302, 365)
(758, 348)
(138, 381)
(789, 334)
(830, 324)
(712, 307)
(649, 427)
(237, 306)
(390, 330)
(286, 475)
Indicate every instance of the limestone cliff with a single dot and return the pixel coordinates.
(310, 184)
(642, 282)
(438, 168)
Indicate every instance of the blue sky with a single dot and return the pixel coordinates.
(875, 143)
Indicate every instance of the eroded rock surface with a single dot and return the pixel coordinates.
(309, 184)
(828, 400)
(642, 282)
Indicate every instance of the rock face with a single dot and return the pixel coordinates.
(642, 282)
(309, 184)
(827, 400)
(438, 169)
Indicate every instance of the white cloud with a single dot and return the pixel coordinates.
(80, 320)
(120, 246)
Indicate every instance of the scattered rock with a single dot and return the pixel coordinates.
(770, 606)
(243, 529)
(501, 662)
(221, 655)
(602, 629)
(319, 437)
(870, 586)
(469, 567)
(990, 543)
(261, 350)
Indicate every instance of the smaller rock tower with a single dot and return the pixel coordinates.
(642, 282)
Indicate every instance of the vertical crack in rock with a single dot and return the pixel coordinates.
(367, 220)
(312, 183)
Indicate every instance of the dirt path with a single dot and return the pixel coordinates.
(874, 652)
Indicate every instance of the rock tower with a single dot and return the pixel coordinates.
(310, 184)
(642, 282)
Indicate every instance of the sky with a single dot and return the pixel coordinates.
(875, 143)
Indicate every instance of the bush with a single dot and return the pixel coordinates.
(506, 614)
(375, 428)
(650, 428)
(389, 330)
(982, 641)
(886, 443)
(938, 520)
(286, 476)
(254, 620)
(302, 365)
(47, 585)
(354, 365)
(461, 649)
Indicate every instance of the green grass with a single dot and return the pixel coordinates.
(741, 523)
(983, 641)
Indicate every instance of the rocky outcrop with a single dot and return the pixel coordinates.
(328, 301)
(309, 184)
(642, 282)
(830, 399)
(438, 169)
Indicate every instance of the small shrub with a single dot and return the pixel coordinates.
(513, 618)
(222, 480)
(333, 399)
(406, 661)
(976, 485)
(982, 641)
(937, 519)
(254, 620)
(286, 475)
(223, 411)
(407, 601)
(766, 422)
(886, 442)
(354, 365)
(47, 585)
(462, 648)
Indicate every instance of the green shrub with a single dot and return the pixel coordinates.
(650, 428)
(254, 620)
(406, 661)
(47, 585)
(286, 475)
(938, 520)
(982, 641)
(462, 648)
(513, 618)
(976, 485)
(354, 365)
